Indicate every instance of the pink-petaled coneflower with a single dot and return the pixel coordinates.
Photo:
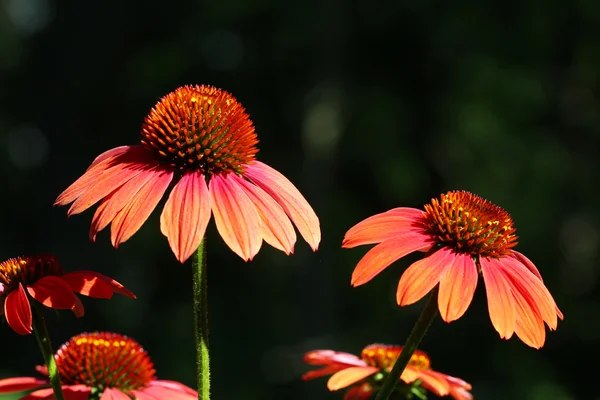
(364, 376)
(104, 366)
(463, 236)
(201, 139)
(43, 279)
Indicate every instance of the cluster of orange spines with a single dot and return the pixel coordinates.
(470, 224)
(104, 360)
(384, 356)
(28, 270)
(201, 128)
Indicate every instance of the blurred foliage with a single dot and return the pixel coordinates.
(365, 106)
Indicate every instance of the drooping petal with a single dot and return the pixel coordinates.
(501, 304)
(136, 212)
(382, 255)
(109, 154)
(289, 198)
(457, 288)
(78, 308)
(236, 217)
(17, 311)
(10, 385)
(529, 324)
(186, 214)
(359, 392)
(459, 393)
(53, 292)
(94, 284)
(435, 382)
(423, 275)
(276, 227)
(113, 394)
(381, 227)
(349, 376)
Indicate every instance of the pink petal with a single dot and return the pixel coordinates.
(326, 357)
(423, 275)
(289, 198)
(327, 370)
(349, 376)
(529, 324)
(114, 394)
(385, 253)
(53, 292)
(236, 217)
(20, 384)
(501, 304)
(384, 226)
(277, 230)
(186, 214)
(17, 311)
(94, 284)
(174, 386)
(165, 393)
(71, 392)
(141, 395)
(136, 212)
(457, 288)
(109, 154)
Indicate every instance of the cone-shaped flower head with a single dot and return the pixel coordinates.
(42, 278)
(202, 139)
(109, 364)
(463, 236)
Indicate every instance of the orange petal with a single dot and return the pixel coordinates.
(382, 227)
(328, 370)
(186, 214)
(277, 230)
(94, 284)
(385, 253)
(423, 275)
(435, 382)
(410, 374)
(53, 292)
(17, 311)
(349, 376)
(501, 304)
(112, 153)
(136, 212)
(20, 384)
(529, 326)
(459, 393)
(289, 198)
(236, 217)
(457, 288)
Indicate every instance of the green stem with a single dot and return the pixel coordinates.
(201, 322)
(43, 339)
(415, 337)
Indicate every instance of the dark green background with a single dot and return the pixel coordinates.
(365, 106)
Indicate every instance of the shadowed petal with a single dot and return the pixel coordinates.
(457, 288)
(113, 394)
(359, 392)
(236, 217)
(423, 275)
(289, 198)
(382, 227)
(20, 384)
(136, 212)
(78, 308)
(501, 304)
(382, 255)
(349, 376)
(70, 392)
(17, 311)
(53, 292)
(94, 284)
(325, 357)
(327, 370)
(186, 214)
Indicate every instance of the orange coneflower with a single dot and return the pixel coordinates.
(42, 278)
(463, 235)
(107, 366)
(364, 375)
(203, 139)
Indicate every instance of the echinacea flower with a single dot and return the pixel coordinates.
(107, 366)
(365, 375)
(463, 236)
(42, 278)
(202, 139)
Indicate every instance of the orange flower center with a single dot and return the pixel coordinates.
(104, 360)
(469, 224)
(27, 270)
(384, 356)
(201, 128)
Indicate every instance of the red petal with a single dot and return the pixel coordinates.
(17, 311)
(382, 255)
(382, 227)
(78, 309)
(236, 217)
(186, 214)
(53, 292)
(349, 376)
(501, 304)
(94, 284)
(359, 392)
(423, 275)
(20, 384)
(457, 288)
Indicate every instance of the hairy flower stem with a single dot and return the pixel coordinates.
(415, 337)
(43, 339)
(201, 322)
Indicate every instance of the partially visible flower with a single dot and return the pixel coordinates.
(42, 278)
(364, 376)
(110, 365)
(463, 236)
(202, 139)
